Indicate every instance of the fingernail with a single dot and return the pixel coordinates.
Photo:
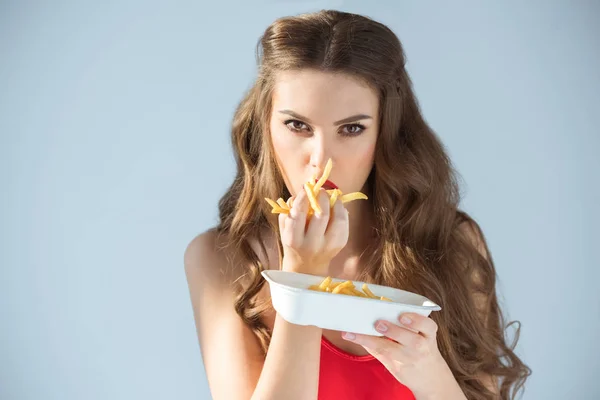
(405, 320)
(381, 327)
(349, 336)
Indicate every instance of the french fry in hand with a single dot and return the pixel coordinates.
(334, 196)
(312, 188)
(279, 207)
(312, 199)
(353, 196)
(281, 203)
(326, 173)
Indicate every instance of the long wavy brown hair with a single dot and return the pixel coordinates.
(424, 242)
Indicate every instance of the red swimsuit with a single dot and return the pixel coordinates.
(350, 377)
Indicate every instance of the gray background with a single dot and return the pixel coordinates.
(114, 150)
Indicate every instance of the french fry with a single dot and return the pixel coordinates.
(345, 287)
(282, 203)
(357, 292)
(312, 199)
(334, 197)
(325, 283)
(353, 196)
(324, 177)
(312, 188)
(366, 289)
(272, 203)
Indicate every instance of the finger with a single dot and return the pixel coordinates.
(312, 198)
(338, 224)
(318, 223)
(382, 349)
(337, 210)
(295, 222)
(290, 201)
(281, 220)
(300, 204)
(403, 336)
(420, 323)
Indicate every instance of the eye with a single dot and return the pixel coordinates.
(358, 129)
(348, 130)
(294, 125)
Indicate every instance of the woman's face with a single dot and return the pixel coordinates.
(317, 116)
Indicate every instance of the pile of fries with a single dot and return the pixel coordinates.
(346, 288)
(312, 188)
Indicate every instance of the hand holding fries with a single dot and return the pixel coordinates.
(309, 246)
(313, 226)
(312, 188)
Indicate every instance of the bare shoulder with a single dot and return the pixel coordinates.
(230, 352)
(207, 258)
(211, 271)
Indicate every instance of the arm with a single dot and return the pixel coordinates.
(291, 369)
(234, 363)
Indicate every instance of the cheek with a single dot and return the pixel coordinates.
(285, 152)
(281, 144)
(362, 163)
(365, 155)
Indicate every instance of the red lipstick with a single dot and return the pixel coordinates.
(327, 185)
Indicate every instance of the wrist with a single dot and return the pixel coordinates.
(304, 268)
(304, 331)
(445, 388)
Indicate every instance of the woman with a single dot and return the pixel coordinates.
(332, 85)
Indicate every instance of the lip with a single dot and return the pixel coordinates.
(328, 184)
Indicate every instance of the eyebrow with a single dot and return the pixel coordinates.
(341, 121)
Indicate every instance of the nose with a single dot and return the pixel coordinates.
(319, 154)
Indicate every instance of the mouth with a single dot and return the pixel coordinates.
(328, 185)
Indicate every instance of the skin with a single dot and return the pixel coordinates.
(302, 144)
(328, 244)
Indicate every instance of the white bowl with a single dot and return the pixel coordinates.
(298, 305)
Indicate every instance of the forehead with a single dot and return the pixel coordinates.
(323, 95)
